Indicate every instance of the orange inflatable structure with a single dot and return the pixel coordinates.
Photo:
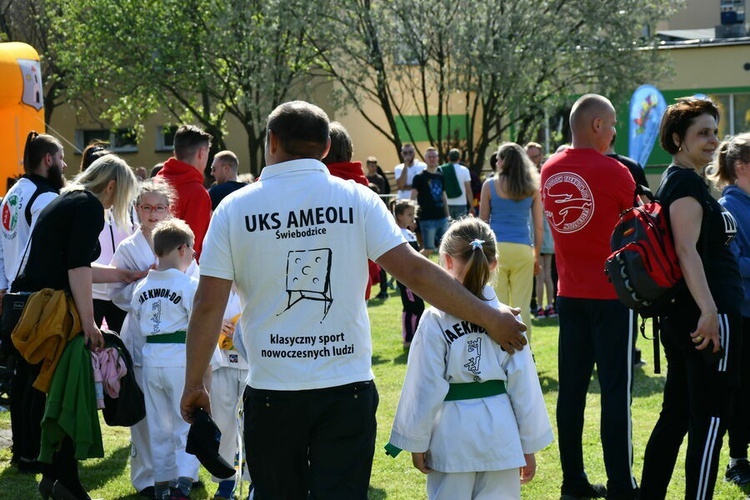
(21, 106)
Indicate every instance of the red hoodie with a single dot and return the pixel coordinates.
(193, 202)
(352, 170)
(349, 170)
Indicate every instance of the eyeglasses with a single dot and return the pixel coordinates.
(407, 153)
(159, 209)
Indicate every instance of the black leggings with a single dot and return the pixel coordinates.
(64, 469)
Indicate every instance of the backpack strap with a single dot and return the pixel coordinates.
(33, 198)
(41, 188)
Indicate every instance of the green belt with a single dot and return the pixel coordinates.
(177, 337)
(475, 390)
(456, 392)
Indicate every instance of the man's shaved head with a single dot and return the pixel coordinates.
(592, 121)
(586, 108)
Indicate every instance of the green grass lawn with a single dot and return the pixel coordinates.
(396, 478)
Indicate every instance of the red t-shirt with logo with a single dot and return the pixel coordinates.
(583, 193)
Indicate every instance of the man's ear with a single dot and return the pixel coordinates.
(273, 141)
(596, 124)
(328, 147)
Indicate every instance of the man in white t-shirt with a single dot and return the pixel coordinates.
(404, 172)
(457, 185)
(298, 265)
(44, 163)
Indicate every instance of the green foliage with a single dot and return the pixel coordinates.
(501, 64)
(201, 60)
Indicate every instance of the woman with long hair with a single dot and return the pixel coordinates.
(64, 243)
(732, 173)
(511, 204)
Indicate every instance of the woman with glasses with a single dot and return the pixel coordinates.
(137, 252)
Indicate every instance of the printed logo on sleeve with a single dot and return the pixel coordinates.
(10, 213)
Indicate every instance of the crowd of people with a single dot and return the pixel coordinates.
(251, 298)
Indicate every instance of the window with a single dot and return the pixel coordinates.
(165, 137)
(121, 140)
(735, 113)
(741, 114)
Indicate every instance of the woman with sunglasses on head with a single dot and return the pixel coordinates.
(701, 333)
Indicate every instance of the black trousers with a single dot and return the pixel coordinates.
(315, 444)
(697, 401)
(739, 423)
(595, 332)
(26, 410)
(106, 309)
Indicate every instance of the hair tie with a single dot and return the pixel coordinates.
(476, 244)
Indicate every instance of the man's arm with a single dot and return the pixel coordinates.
(469, 195)
(202, 335)
(402, 179)
(484, 202)
(436, 286)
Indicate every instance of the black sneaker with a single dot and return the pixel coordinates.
(739, 473)
(624, 495)
(582, 491)
(147, 492)
(25, 466)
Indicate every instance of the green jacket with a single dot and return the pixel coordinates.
(71, 406)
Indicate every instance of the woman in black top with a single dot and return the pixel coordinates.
(701, 334)
(63, 245)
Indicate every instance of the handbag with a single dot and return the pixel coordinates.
(13, 305)
(129, 407)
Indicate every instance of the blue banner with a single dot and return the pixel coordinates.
(646, 109)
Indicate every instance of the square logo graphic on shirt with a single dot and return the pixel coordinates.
(308, 277)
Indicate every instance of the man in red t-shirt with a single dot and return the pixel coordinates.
(184, 172)
(583, 193)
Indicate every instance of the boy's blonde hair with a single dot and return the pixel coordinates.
(171, 234)
(472, 241)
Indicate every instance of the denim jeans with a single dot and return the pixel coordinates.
(432, 232)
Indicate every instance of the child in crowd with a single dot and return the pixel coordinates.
(413, 305)
(471, 414)
(229, 371)
(137, 252)
(161, 307)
